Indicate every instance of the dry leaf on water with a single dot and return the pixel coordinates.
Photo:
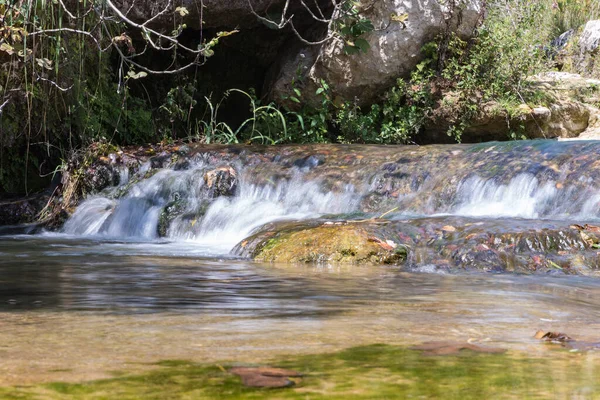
(557, 337)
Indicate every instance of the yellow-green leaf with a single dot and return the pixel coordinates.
(182, 11)
(133, 75)
(44, 63)
(7, 48)
(399, 17)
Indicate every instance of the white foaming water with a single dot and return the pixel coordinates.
(179, 205)
(90, 216)
(220, 223)
(230, 220)
(522, 197)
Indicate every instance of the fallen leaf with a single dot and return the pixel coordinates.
(556, 337)
(386, 245)
(592, 228)
(448, 228)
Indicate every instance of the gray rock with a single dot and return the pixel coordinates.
(561, 42)
(590, 37)
(395, 50)
(221, 181)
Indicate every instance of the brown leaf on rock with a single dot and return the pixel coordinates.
(448, 228)
(384, 244)
(592, 228)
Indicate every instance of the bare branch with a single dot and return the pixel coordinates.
(318, 16)
(160, 14)
(4, 105)
(67, 10)
(39, 78)
(80, 32)
(148, 31)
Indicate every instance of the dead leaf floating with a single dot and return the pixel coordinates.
(266, 377)
(555, 337)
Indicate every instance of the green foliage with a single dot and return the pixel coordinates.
(310, 124)
(266, 125)
(352, 26)
(572, 14)
(457, 77)
(397, 119)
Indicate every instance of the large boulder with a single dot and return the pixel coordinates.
(570, 112)
(577, 50)
(395, 50)
(328, 243)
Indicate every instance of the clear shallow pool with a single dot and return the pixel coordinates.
(76, 310)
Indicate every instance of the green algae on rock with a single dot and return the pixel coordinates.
(449, 243)
(331, 242)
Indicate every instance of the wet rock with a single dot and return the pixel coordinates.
(171, 211)
(444, 244)
(309, 162)
(334, 242)
(98, 177)
(221, 181)
(22, 211)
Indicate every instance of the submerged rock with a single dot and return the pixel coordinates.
(265, 377)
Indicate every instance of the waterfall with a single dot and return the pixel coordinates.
(528, 180)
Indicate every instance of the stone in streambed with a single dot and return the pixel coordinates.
(265, 377)
(341, 242)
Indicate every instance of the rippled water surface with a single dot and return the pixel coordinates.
(73, 309)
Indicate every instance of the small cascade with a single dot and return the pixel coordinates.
(522, 197)
(221, 196)
(182, 201)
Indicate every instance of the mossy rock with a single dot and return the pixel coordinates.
(338, 243)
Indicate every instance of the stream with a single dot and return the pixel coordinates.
(113, 291)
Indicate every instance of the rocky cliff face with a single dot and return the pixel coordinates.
(395, 49)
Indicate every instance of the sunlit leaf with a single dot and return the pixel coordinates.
(182, 11)
(139, 75)
(7, 48)
(44, 63)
